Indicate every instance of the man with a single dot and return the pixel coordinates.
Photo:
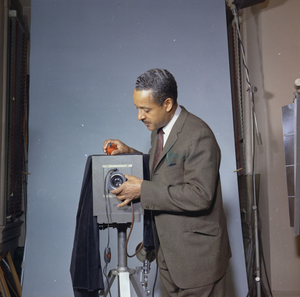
(184, 191)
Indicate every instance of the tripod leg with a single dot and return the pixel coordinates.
(108, 284)
(251, 289)
(139, 290)
(124, 284)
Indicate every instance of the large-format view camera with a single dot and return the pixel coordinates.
(108, 174)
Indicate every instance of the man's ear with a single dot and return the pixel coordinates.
(168, 104)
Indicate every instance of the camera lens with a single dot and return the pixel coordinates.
(117, 180)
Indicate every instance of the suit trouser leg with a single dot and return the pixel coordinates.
(169, 289)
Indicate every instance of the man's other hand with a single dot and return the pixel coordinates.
(129, 190)
(122, 148)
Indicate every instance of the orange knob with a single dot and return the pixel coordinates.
(111, 147)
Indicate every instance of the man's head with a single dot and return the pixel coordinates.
(161, 82)
(155, 97)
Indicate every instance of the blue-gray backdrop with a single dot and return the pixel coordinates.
(85, 57)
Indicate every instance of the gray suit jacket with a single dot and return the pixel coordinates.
(184, 194)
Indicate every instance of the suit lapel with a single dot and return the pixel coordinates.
(170, 142)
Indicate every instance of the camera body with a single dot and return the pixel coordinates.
(108, 174)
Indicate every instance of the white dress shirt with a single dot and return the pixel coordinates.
(167, 128)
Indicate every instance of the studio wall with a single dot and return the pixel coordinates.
(85, 57)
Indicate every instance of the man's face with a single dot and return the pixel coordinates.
(149, 112)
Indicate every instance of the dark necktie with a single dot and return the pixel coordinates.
(160, 144)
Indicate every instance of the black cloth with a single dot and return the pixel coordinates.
(85, 269)
(148, 232)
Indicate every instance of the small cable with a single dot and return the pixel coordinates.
(107, 251)
(107, 204)
(154, 284)
(127, 240)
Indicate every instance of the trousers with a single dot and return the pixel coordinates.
(169, 288)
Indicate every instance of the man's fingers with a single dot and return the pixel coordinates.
(125, 202)
(104, 146)
(127, 176)
(117, 190)
(116, 152)
(122, 198)
(115, 142)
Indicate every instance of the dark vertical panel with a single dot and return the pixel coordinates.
(17, 102)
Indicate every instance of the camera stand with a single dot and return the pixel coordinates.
(125, 274)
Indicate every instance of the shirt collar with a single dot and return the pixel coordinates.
(167, 128)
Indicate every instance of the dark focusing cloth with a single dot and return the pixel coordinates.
(148, 232)
(85, 269)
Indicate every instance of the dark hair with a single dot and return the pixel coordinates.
(161, 82)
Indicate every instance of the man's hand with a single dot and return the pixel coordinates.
(129, 190)
(122, 148)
